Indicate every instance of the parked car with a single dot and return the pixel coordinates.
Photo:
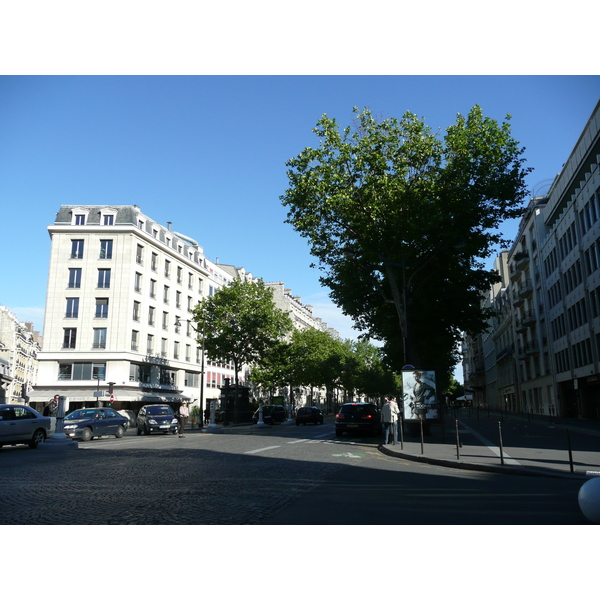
(156, 417)
(309, 414)
(88, 423)
(272, 413)
(21, 424)
(358, 417)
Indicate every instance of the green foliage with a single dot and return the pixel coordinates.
(241, 322)
(401, 221)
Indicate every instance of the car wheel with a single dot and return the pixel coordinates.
(86, 436)
(38, 438)
(120, 431)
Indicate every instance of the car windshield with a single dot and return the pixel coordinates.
(84, 413)
(163, 411)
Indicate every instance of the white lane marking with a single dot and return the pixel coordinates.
(297, 441)
(261, 449)
(491, 446)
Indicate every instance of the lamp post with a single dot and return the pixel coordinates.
(212, 426)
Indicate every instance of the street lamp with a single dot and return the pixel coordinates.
(212, 426)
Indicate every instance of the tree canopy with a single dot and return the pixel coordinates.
(240, 323)
(401, 220)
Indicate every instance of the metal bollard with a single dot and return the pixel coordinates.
(570, 450)
(422, 449)
(458, 444)
(501, 449)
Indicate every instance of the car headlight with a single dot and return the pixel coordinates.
(70, 427)
(152, 422)
(174, 422)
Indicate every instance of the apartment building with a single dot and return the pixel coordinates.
(19, 348)
(121, 290)
(547, 325)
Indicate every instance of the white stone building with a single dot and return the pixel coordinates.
(121, 289)
(19, 347)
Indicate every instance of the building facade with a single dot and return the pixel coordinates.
(546, 331)
(121, 290)
(19, 348)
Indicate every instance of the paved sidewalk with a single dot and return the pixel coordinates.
(529, 446)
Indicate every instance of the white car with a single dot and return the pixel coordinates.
(22, 425)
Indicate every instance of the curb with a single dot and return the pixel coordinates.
(505, 469)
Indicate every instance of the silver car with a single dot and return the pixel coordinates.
(22, 425)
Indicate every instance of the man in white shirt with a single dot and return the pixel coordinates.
(389, 418)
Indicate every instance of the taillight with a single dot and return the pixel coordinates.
(367, 417)
(339, 416)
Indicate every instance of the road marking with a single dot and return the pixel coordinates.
(297, 441)
(348, 455)
(261, 449)
(491, 446)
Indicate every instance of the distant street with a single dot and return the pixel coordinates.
(280, 475)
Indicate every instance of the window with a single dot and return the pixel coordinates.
(176, 350)
(139, 373)
(101, 308)
(179, 275)
(106, 249)
(190, 304)
(177, 325)
(163, 347)
(109, 219)
(152, 288)
(79, 219)
(104, 278)
(150, 344)
(191, 379)
(190, 281)
(82, 371)
(178, 299)
(99, 337)
(139, 255)
(165, 320)
(76, 248)
(136, 310)
(154, 261)
(134, 340)
(166, 294)
(167, 268)
(188, 352)
(72, 308)
(138, 282)
(74, 278)
(140, 224)
(151, 315)
(70, 337)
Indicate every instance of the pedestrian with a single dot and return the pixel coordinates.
(184, 413)
(51, 408)
(389, 418)
(206, 415)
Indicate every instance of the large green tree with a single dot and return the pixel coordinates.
(240, 323)
(401, 220)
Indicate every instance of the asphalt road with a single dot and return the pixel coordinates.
(284, 475)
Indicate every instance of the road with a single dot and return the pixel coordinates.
(248, 476)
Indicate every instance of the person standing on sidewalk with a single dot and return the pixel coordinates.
(184, 413)
(389, 418)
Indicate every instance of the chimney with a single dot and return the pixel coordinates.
(169, 225)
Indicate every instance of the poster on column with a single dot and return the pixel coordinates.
(419, 395)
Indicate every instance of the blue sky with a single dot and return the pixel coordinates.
(208, 154)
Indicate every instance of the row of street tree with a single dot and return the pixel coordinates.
(240, 323)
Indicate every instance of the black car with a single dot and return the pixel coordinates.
(309, 414)
(272, 413)
(88, 423)
(156, 418)
(358, 417)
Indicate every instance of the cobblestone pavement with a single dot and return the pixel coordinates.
(200, 479)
